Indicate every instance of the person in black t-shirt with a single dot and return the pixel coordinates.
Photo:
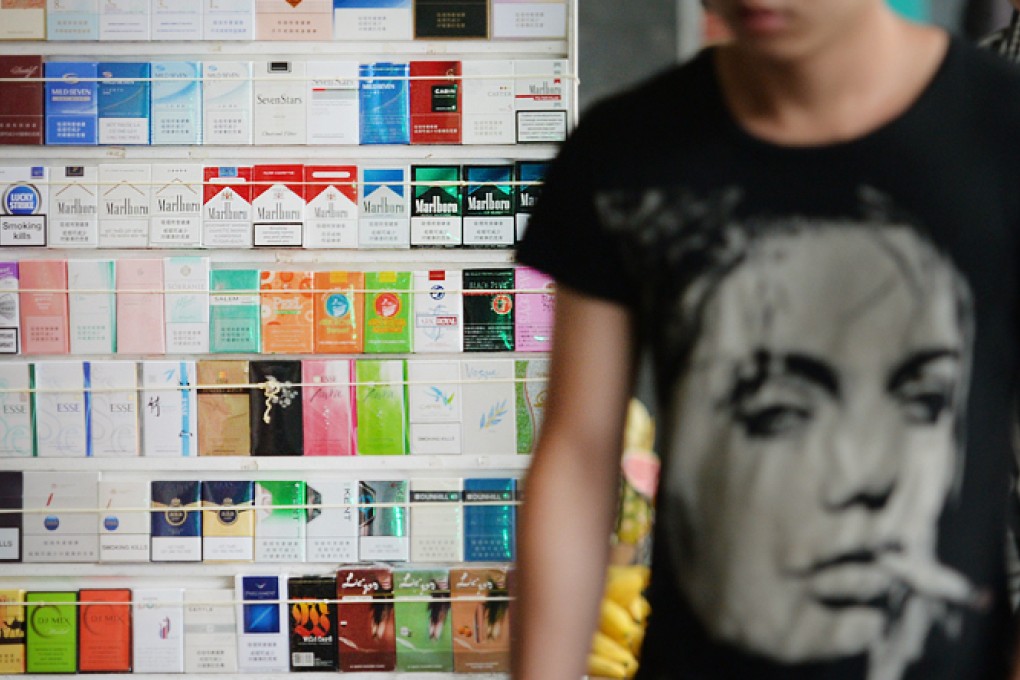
(814, 232)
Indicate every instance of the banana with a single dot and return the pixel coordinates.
(604, 646)
(639, 609)
(637, 641)
(616, 622)
(602, 667)
(623, 584)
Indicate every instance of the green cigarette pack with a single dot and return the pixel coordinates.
(52, 635)
(424, 628)
(382, 407)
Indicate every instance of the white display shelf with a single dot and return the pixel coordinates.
(368, 260)
(464, 465)
(144, 574)
(312, 676)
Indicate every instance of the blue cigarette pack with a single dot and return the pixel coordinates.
(176, 102)
(385, 98)
(124, 103)
(71, 102)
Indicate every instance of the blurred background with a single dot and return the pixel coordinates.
(619, 45)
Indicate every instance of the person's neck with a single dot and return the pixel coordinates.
(867, 76)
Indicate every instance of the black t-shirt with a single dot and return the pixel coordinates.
(834, 335)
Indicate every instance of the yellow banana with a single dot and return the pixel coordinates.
(608, 648)
(623, 584)
(616, 622)
(639, 609)
(637, 640)
(605, 668)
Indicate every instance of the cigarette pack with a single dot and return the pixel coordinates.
(23, 20)
(436, 214)
(123, 522)
(234, 311)
(104, 630)
(262, 631)
(123, 102)
(328, 409)
(12, 632)
(92, 314)
(489, 530)
(384, 100)
(382, 407)
(158, 630)
(227, 214)
(424, 628)
(488, 315)
(489, 205)
(437, 520)
(385, 220)
(532, 384)
(228, 19)
(72, 20)
(436, 102)
(44, 314)
(387, 312)
(313, 623)
(529, 175)
(176, 522)
(481, 627)
(276, 409)
(71, 102)
(226, 102)
(278, 200)
(112, 407)
(451, 19)
(438, 311)
(534, 310)
(74, 207)
(21, 104)
(186, 282)
(61, 534)
(169, 420)
(516, 19)
(339, 306)
(210, 631)
(542, 100)
(124, 20)
(280, 521)
(179, 20)
(367, 632)
(281, 109)
(332, 518)
(371, 20)
(176, 210)
(51, 640)
(488, 97)
(59, 408)
(223, 412)
(176, 102)
(333, 102)
(140, 307)
(125, 194)
(24, 208)
(489, 413)
(289, 20)
(383, 512)
(10, 314)
(331, 216)
(288, 313)
(15, 414)
(12, 483)
(228, 527)
(434, 402)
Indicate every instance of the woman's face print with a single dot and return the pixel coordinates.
(818, 440)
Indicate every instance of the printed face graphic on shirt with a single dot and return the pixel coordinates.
(817, 442)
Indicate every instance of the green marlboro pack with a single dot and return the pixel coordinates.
(388, 312)
(424, 629)
(52, 636)
(382, 407)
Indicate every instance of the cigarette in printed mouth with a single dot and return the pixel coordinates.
(932, 580)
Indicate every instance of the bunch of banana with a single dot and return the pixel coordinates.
(621, 631)
(640, 468)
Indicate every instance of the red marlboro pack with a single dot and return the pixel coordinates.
(331, 212)
(21, 104)
(226, 211)
(367, 633)
(278, 201)
(435, 102)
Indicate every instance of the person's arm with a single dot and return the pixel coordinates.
(572, 487)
